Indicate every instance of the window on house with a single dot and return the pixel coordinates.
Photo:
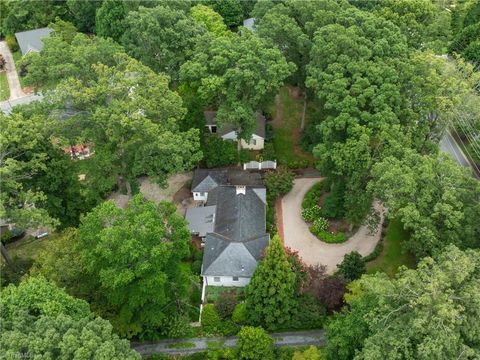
(213, 128)
(254, 142)
(216, 278)
(235, 278)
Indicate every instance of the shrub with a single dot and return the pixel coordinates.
(329, 290)
(269, 133)
(253, 344)
(218, 152)
(211, 322)
(319, 225)
(229, 328)
(12, 43)
(310, 313)
(352, 266)
(239, 314)
(313, 195)
(298, 164)
(6, 237)
(375, 253)
(244, 156)
(269, 152)
(334, 204)
(279, 182)
(271, 216)
(225, 304)
(330, 238)
(310, 214)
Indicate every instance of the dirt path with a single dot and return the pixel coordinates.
(12, 76)
(313, 251)
(193, 345)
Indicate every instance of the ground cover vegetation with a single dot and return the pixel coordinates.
(137, 90)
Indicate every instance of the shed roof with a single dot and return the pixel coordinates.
(31, 40)
(201, 220)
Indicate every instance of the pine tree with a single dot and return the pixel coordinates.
(270, 296)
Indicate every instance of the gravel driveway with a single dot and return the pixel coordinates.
(313, 251)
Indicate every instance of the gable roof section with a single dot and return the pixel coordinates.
(32, 40)
(223, 257)
(206, 180)
(239, 217)
(227, 128)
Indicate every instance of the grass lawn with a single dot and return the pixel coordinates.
(392, 256)
(17, 55)
(287, 131)
(213, 292)
(4, 89)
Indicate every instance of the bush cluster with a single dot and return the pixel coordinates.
(328, 237)
(225, 304)
(268, 152)
(12, 43)
(313, 195)
(319, 225)
(298, 164)
(312, 213)
(334, 204)
(279, 182)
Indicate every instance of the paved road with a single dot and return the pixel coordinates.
(313, 251)
(450, 146)
(12, 76)
(173, 346)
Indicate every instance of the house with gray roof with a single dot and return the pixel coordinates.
(232, 225)
(227, 131)
(32, 40)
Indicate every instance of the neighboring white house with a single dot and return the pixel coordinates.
(227, 132)
(233, 227)
(32, 40)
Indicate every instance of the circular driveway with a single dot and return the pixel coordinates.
(297, 235)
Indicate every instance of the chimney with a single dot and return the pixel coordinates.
(241, 189)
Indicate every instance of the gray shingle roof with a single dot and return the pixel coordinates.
(223, 257)
(226, 128)
(206, 180)
(32, 40)
(239, 217)
(201, 220)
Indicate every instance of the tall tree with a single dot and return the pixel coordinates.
(430, 312)
(39, 319)
(110, 18)
(134, 257)
(236, 74)
(254, 343)
(60, 59)
(433, 197)
(270, 296)
(161, 37)
(83, 12)
(212, 21)
(134, 126)
(230, 10)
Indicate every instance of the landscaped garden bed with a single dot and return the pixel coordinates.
(322, 209)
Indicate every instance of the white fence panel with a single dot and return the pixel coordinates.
(255, 165)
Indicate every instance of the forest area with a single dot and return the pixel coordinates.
(379, 82)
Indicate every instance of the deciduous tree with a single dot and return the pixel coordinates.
(430, 312)
(134, 257)
(352, 266)
(212, 21)
(162, 38)
(254, 343)
(236, 74)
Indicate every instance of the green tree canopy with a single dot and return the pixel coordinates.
(430, 312)
(133, 256)
(37, 296)
(254, 343)
(132, 126)
(83, 12)
(236, 74)
(162, 37)
(110, 18)
(270, 296)
(230, 10)
(433, 197)
(212, 21)
(41, 320)
(60, 59)
(352, 266)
